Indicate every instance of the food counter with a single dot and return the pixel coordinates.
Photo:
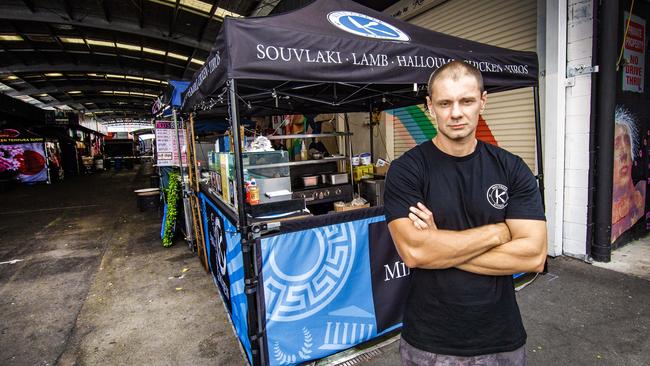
(347, 287)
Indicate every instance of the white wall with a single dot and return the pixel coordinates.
(577, 128)
(554, 67)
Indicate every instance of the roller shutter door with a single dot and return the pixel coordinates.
(505, 23)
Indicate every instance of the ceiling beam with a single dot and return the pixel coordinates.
(91, 21)
(68, 9)
(111, 101)
(141, 14)
(199, 39)
(140, 58)
(172, 20)
(30, 5)
(86, 88)
(103, 4)
(40, 68)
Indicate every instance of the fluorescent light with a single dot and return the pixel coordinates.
(10, 37)
(96, 42)
(115, 76)
(54, 74)
(127, 46)
(176, 56)
(133, 78)
(197, 61)
(11, 77)
(201, 7)
(151, 80)
(42, 95)
(153, 50)
(72, 40)
(222, 13)
(74, 92)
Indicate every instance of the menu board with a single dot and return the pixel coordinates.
(167, 144)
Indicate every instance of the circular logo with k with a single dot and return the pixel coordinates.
(497, 195)
(366, 26)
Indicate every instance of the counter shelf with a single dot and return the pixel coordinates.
(308, 135)
(298, 163)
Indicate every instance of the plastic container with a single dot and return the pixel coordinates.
(254, 192)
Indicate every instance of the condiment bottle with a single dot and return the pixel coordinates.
(254, 192)
(304, 155)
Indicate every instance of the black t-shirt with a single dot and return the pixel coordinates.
(450, 311)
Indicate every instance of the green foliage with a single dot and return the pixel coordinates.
(172, 195)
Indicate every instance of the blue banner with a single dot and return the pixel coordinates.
(318, 290)
(224, 251)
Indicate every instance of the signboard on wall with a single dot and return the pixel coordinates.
(22, 157)
(634, 54)
(167, 144)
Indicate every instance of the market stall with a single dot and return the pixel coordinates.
(300, 285)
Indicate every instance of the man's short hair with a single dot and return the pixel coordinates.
(455, 69)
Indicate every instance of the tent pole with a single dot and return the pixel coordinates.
(538, 142)
(248, 242)
(348, 147)
(237, 138)
(370, 124)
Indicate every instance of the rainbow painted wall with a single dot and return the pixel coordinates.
(413, 125)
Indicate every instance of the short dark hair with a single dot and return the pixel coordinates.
(457, 69)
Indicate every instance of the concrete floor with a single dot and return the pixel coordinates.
(94, 286)
(632, 258)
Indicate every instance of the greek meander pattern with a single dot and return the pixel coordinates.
(294, 297)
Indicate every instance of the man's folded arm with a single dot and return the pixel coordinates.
(431, 248)
(526, 252)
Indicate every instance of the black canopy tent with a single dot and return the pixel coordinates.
(339, 56)
(330, 57)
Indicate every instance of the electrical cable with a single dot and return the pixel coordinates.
(627, 26)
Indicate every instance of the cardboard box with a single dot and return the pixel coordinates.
(381, 170)
(347, 207)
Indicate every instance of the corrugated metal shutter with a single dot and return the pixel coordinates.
(504, 23)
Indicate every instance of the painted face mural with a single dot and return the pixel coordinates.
(628, 199)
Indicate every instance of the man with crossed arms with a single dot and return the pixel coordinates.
(465, 216)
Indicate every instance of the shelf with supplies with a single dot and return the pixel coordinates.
(297, 163)
(309, 135)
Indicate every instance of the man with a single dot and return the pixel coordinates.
(465, 215)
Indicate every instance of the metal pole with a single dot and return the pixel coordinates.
(248, 242)
(349, 147)
(239, 168)
(178, 143)
(372, 144)
(189, 235)
(602, 246)
(538, 142)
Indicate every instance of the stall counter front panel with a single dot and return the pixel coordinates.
(328, 286)
(225, 259)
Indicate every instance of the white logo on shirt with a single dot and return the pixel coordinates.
(497, 195)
